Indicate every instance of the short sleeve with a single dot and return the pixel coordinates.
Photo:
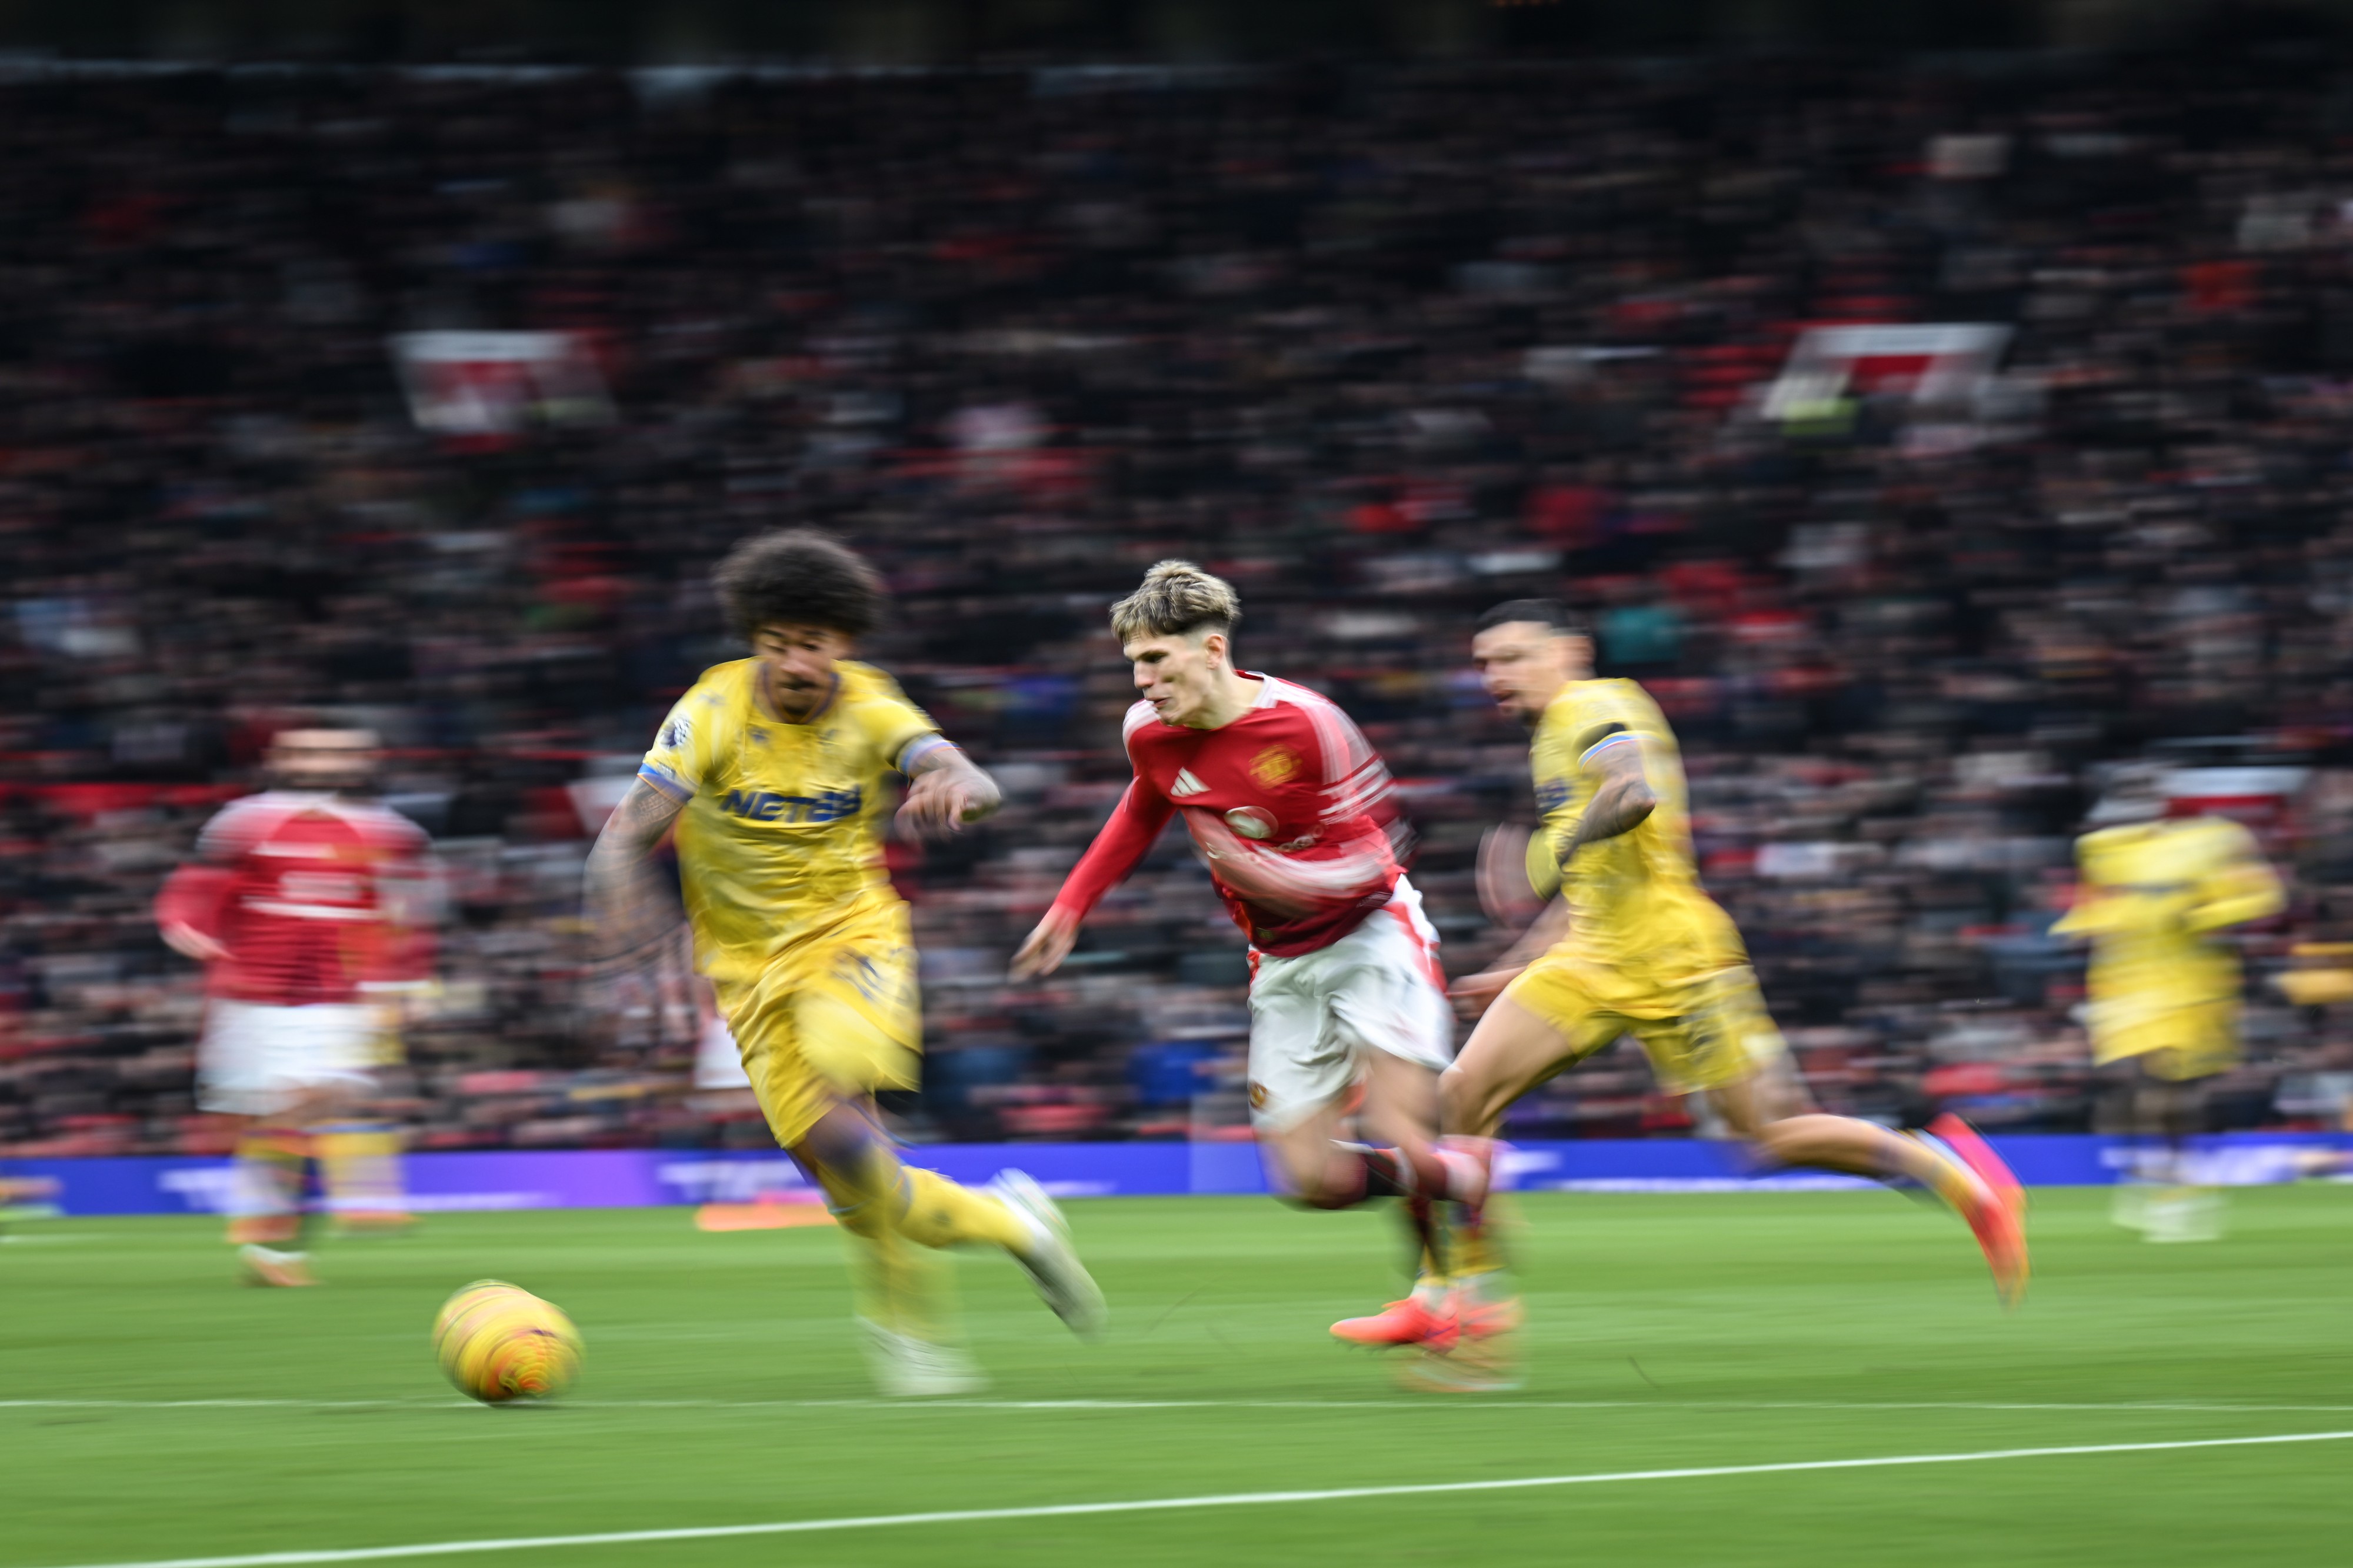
(1553, 761)
(896, 731)
(680, 758)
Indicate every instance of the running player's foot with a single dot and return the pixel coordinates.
(2184, 1214)
(1484, 1357)
(908, 1368)
(1484, 1319)
(267, 1266)
(1053, 1264)
(1978, 1156)
(1412, 1322)
(1996, 1212)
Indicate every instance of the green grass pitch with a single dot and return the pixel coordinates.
(722, 1386)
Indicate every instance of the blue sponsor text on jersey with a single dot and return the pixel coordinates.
(767, 805)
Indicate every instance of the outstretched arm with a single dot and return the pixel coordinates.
(1135, 822)
(2244, 889)
(625, 898)
(948, 791)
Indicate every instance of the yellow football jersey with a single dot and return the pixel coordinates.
(1635, 902)
(780, 840)
(2151, 897)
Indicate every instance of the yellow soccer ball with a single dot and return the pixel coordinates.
(498, 1342)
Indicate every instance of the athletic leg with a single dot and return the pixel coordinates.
(846, 1039)
(272, 1216)
(1346, 1043)
(358, 1156)
(1511, 1051)
(2173, 1094)
(1767, 1108)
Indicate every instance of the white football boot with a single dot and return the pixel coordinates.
(269, 1265)
(1053, 1264)
(908, 1368)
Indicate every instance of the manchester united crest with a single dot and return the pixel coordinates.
(1273, 766)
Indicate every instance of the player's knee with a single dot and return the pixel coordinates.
(1463, 1102)
(1337, 1184)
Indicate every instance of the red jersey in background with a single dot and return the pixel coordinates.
(316, 898)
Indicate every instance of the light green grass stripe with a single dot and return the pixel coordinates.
(2124, 1407)
(1225, 1499)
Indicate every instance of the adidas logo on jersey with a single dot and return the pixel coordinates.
(1187, 784)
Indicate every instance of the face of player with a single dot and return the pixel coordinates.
(334, 761)
(1178, 675)
(1523, 665)
(797, 665)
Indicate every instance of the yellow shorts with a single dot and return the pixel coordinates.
(2180, 1042)
(1700, 1033)
(837, 1016)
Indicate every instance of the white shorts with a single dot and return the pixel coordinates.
(1314, 1017)
(717, 1060)
(257, 1059)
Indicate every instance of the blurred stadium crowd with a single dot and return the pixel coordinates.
(1381, 346)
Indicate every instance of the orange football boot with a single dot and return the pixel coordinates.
(1999, 1225)
(1408, 1322)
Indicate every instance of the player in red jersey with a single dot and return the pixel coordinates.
(1291, 807)
(305, 905)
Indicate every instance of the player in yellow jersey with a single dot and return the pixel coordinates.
(1634, 946)
(2156, 895)
(775, 769)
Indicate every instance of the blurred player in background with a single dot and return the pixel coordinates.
(1291, 807)
(775, 769)
(309, 907)
(1634, 946)
(2156, 896)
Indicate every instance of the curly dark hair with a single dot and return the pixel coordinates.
(797, 578)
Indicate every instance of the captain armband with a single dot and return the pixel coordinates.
(919, 748)
(1600, 735)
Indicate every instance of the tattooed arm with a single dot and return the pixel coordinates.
(626, 903)
(1620, 803)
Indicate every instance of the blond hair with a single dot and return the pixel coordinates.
(1177, 598)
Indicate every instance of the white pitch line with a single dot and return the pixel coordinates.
(229, 1404)
(2116, 1406)
(1225, 1499)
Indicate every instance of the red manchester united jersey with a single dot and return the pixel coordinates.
(1288, 803)
(317, 899)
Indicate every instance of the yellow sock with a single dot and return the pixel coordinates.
(266, 1200)
(360, 1168)
(1476, 1251)
(904, 1288)
(1472, 1250)
(898, 1284)
(938, 1213)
